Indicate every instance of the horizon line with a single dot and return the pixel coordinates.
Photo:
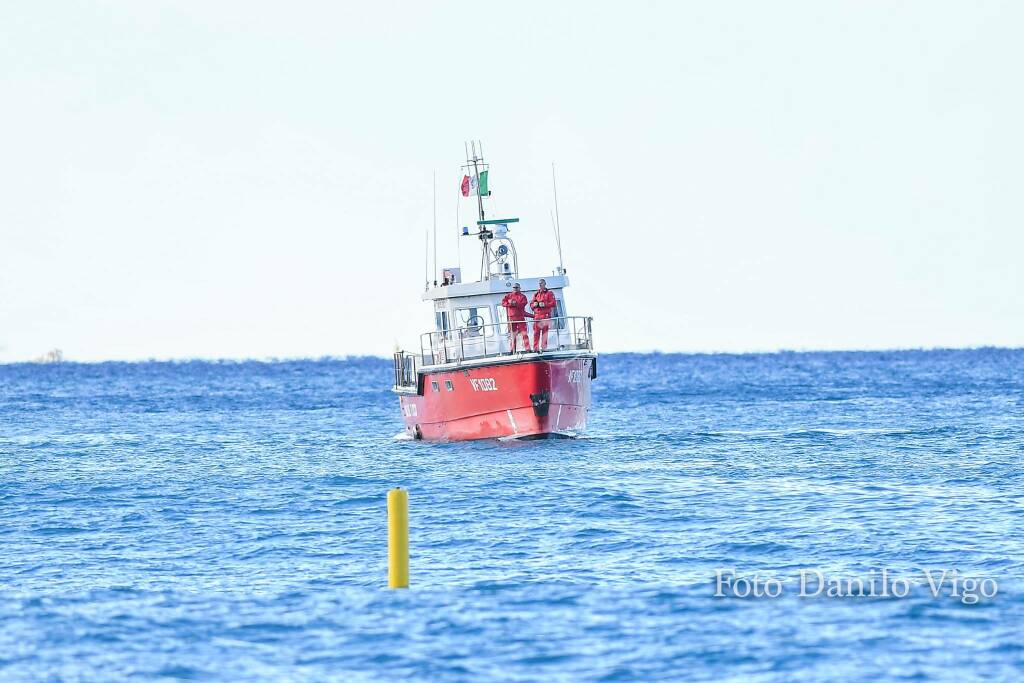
(646, 352)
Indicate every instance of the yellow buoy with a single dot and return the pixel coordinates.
(398, 538)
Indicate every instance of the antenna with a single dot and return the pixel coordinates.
(458, 229)
(556, 223)
(434, 178)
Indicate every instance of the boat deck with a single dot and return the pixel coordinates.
(473, 346)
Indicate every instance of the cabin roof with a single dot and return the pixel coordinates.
(496, 285)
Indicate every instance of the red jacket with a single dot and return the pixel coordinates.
(543, 304)
(515, 305)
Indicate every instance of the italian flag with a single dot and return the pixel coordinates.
(470, 186)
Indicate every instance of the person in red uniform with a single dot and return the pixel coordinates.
(543, 305)
(515, 306)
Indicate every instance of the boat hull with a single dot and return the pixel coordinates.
(520, 397)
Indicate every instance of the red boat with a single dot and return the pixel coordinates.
(466, 381)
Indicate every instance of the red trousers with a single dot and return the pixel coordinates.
(516, 330)
(540, 333)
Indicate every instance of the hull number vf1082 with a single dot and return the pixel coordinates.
(484, 384)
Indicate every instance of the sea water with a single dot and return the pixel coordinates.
(226, 521)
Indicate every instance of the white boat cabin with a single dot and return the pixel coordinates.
(470, 322)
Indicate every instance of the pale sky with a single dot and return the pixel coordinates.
(234, 180)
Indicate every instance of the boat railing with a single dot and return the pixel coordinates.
(482, 341)
(405, 369)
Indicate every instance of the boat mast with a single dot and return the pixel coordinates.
(483, 233)
(476, 175)
(494, 230)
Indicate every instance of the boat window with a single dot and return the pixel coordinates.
(433, 385)
(448, 385)
(441, 318)
(559, 313)
(475, 320)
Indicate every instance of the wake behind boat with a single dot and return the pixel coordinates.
(485, 371)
